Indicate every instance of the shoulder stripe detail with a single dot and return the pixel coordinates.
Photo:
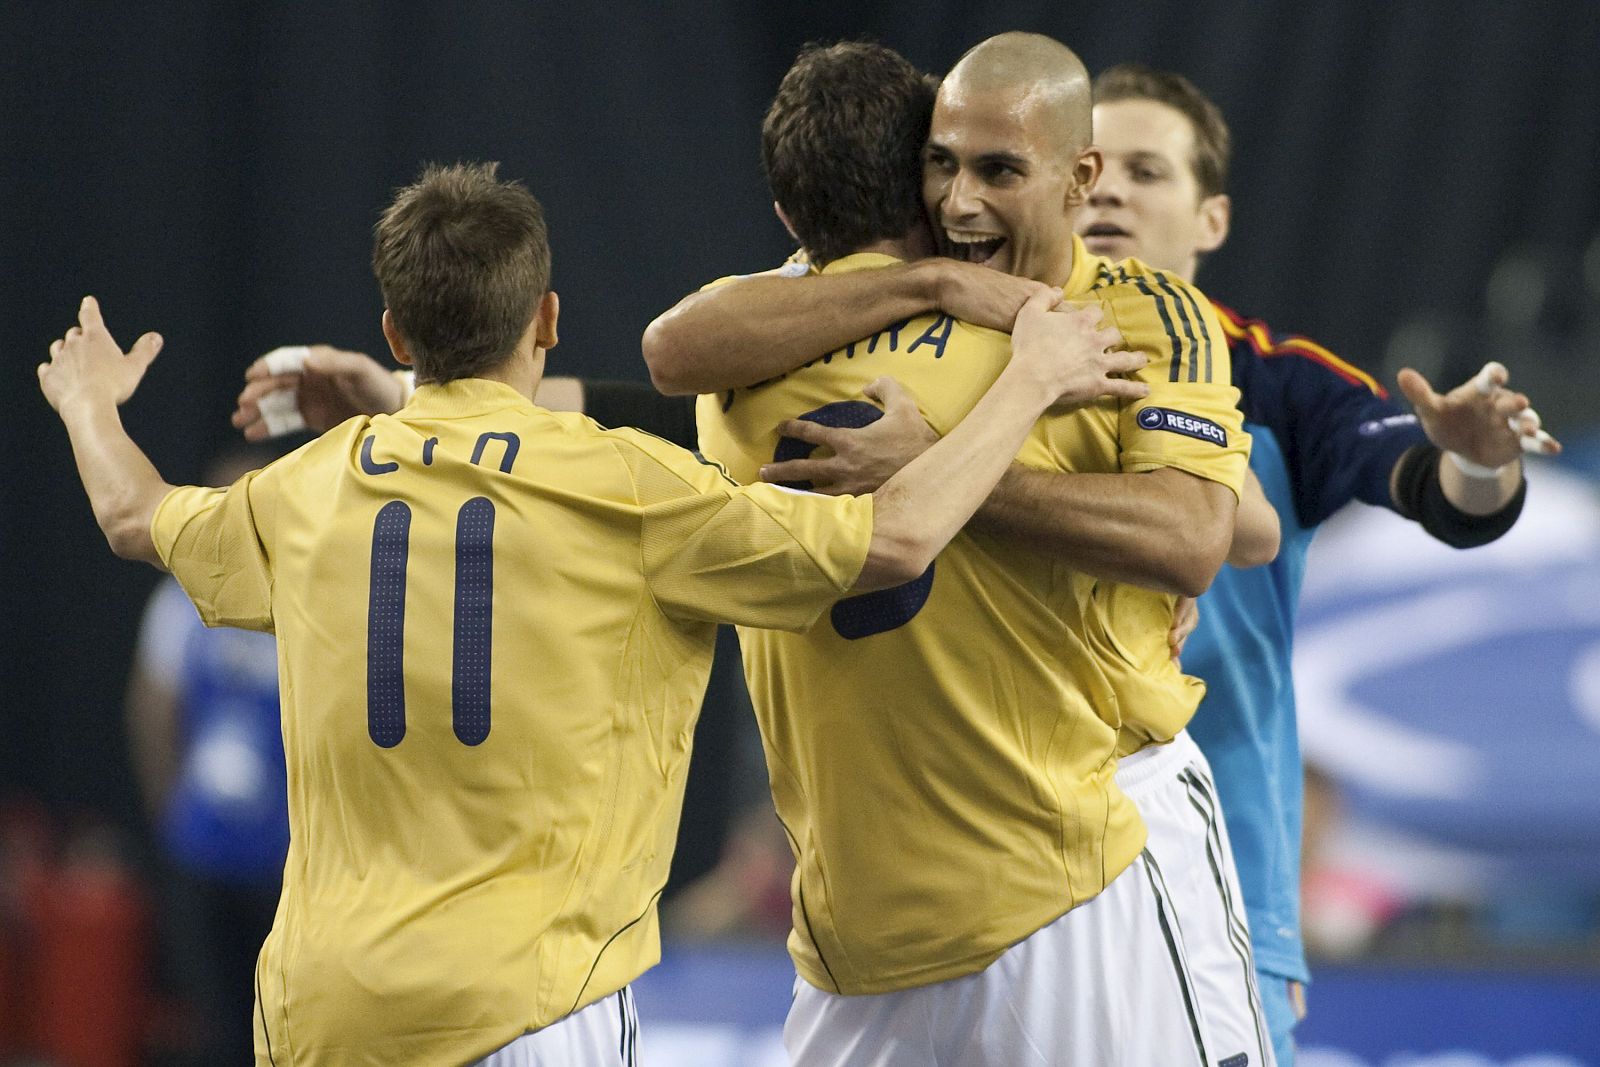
(1166, 321)
(1185, 298)
(1259, 337)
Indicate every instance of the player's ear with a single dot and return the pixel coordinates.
(778, 210)
(1085, 173)
(397, 344)
(1216, 213)
(544, 320)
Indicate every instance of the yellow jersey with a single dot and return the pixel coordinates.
(495, 626)
(1190, 421)
(941, 754)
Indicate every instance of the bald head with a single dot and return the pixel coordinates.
(1043, 75)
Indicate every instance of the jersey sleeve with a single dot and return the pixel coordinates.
(1191, 419)
(757, 555)
(1340, 433)
(212, 541)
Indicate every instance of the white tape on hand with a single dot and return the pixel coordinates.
(1539, 443)
(280, 410)
(1484, 379)
(290, 359)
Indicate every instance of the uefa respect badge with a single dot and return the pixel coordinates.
(1166, 419)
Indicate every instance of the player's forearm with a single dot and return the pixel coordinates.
(1164, 530)
(926, 503)
(123, 486)
(1256, 533)
(1479, 495)
(766, 325)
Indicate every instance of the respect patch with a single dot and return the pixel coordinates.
(1188, 425)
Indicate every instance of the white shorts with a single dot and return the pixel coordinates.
(604, 1034)
(1102, 985)
(1188, 845)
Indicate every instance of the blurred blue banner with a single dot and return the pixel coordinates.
(1454, 700)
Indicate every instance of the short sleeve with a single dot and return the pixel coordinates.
(1191, 419)
(211, 540)
(757, 555)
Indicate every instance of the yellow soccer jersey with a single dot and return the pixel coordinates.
(1190, 421)
(495, 625)
(938, 753)
(941, 753)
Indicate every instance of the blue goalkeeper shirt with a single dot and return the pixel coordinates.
(1324, 434)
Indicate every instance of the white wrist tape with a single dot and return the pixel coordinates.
(1474, 470)
(280, 410)
(290, 359)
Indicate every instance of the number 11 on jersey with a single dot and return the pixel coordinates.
(474, 616)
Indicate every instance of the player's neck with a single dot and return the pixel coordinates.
(521, 371)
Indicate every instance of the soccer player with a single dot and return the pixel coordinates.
(982, 924)
(1325, 433)
(483, 789)
(1138, 508)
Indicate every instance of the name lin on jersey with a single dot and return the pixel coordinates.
(1188, 425)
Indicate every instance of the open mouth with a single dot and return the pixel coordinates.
(1104, 230)
(973, 247)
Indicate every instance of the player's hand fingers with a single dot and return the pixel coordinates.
(55, 348)
(1121, 361)
(812, 433)
(1417, 390)
(145, 350)
(1039, 302)
(89, 315)
(1494, 375)
(792, 471)
(1508, 405)
(1123, 389)
(889, 394)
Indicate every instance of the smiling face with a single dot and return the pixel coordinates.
(1001, 180)
(1148, 203)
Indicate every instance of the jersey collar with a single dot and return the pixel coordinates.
(861, 261)
(1085, 268)
(463, 397)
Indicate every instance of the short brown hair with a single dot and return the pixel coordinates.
(1213, 144)
(463, 260)
(842, 146)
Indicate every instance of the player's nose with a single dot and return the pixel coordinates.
(962, 199)
(1109, 191)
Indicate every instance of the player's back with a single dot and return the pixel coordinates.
(941, 752)
(487, 710)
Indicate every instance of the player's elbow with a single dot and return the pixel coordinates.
(130, 540)
(126, 525)
(1254, 547)
(894, 558)
(670, 356)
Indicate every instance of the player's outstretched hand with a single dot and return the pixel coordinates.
(985, 297)
(1081, 360)
(88, 365)
(1480, 420)
(862, 458)
(326, 387)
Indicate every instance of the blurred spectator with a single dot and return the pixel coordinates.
(202, 711)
